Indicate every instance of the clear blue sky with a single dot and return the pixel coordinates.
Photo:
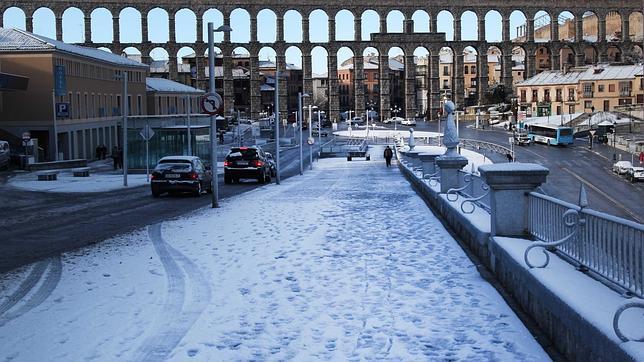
(73, 30)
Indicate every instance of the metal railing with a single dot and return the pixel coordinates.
(610, 247)
(477, 145)
(474, 191)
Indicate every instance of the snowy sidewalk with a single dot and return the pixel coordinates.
(343, 263)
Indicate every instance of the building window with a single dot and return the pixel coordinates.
(600, 88)
(473, 70)
(139, 104)
(571, 94)
(535, 95)
(611, 88)
(588, 104)
(445, 70)
(467, 70)
(558, 93)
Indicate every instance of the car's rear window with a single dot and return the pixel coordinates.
(175, 166)
(244, 154)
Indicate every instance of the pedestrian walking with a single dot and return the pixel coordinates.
(509, 156)
(115, 156)
(388, 154)
(120, 157)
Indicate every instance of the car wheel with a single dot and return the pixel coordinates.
(268, 178)
(228, 180)
(155, 193)
(261, 178)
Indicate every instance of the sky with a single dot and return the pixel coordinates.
(158, 25)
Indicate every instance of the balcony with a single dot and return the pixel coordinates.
(625, 93)
(588, 94)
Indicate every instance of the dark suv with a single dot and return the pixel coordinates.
(180, 174)
(247, 162)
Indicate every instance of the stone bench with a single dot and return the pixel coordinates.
(81, 172)
(50, 175)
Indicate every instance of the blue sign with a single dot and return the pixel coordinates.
(60, 82)
(62, 110)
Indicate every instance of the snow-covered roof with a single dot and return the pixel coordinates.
(15, 40)
(607, 72)
(163, 85)
(553, 77)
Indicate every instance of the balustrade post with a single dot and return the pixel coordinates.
(510, 184)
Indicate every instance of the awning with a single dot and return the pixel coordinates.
(10, 82)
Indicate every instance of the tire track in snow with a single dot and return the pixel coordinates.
(179, 311)
(53, 266)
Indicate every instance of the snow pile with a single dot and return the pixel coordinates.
(345, 262)
(386, 133)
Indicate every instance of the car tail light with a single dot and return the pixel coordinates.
(153, 176)
(193, 175)
(258, 163)
(226, 163)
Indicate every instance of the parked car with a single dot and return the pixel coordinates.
(247, 163)
(635, 174)
(408, 122)
(393, 120)
(180, 174)
(356, 120)
(5, 155)
(621, 167)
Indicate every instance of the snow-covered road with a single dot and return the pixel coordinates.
(343, 263)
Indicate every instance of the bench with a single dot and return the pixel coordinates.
(81, 172)
(50, 175)
(352, 154)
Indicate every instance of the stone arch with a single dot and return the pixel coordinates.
(445, 21)
(470, 76)
(14, 17)
(614, 53)
(344, 25)
(590, 27)
(422, 86)
(370, 23)
(542, 27)
(471, 21)
(518, 21)
(493, 23)
(130, 19)
(158, 25)
(185, 26)
(371, 57)
(636, 54)
(519, 64)
(567, 56)
(591, 55)
(293, 55)
(216, 17)
(267, 22)
(543, 58)
(73, 25)
(421, 21)
(636, 27)
(566, 26)
(397, 87)
(102, 24)
(446, 71)
(495, 64)
(240, 23)
(319, 26)
(292, 21)
(44, 21)
(267, 54)
(395, 22)
(133, 53)
(346, 71)
(320, 74)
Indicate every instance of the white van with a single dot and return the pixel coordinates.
(4, 155)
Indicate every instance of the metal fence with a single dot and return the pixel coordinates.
(608, 246)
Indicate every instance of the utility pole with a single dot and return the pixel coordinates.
(125, 110)
(276, 112)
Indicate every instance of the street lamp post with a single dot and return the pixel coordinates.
(124, 115)
(213, 124)
(395, 109)
(189, 110)
(301, 95)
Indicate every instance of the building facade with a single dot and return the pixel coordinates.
(87, 93)
(602, 87)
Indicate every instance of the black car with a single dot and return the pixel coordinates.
(180, 174)
(247, 163)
